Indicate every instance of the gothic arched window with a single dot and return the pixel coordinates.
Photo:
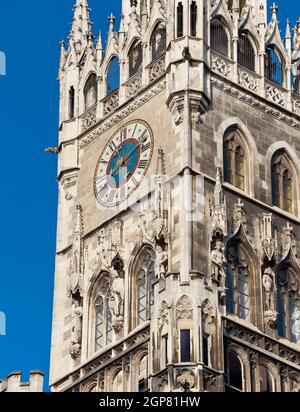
(158, 41)
(117, 385)
(283, 182)
(135, 58)
(193, 18)
(234, 372)
(145, 279)
(246, 53)
(288, 305)
(273, 66)
(101, 314)
(71, 102)
(234, 159)
(219, 38)
(238, 282)
(113, 75)
(266, 379)
(90, 91)
(180, 19)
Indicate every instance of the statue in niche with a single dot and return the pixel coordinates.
(162, 262)
(117, 294)
(218, 262)
(269, 285)
(76, 332)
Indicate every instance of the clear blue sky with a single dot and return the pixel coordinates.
(29, 35)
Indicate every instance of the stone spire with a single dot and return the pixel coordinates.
(62, 55)
(81, 30)
(274, 11)
(99, 47)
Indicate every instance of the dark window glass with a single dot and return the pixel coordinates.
(235, 374)
(180, 20)
(205, 349)
(219, 38)
(246, 55)
(135, 59)
(230, 303)
(273, 67)
(113, 75)
(281, 322)
(158, 42)
(142, 386)
(185, 345)
(193, 19)
(71, 102)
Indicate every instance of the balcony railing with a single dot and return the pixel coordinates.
(156, 69)
(248, 79)
(110, 102)
(134, 85)
(275, 93)
(89, 117)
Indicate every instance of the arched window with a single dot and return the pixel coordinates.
(238, 282)
(117, 385)
(143, 374)
(158, 41)
(193, 19)
(180, 20)
(90, 91)
(246, 53)
(145, 279)
(273, 66)
(71, 102)
(266, 379)
(234, 372)
(135, 58)
(288, 305)
(283, 182)
(234, 159)
(219, 38)
(113, 75)
(101, 314)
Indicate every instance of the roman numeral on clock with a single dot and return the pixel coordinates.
(103, 191)
(142, 164)
(145, 147)
(123, 135)
(144, 136)
(100, 179)
(111, 196)
(112, 146)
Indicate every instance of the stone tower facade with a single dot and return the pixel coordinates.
(178, 234)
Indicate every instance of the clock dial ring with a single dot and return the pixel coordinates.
(123, 163)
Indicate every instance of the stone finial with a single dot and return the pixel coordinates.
(274, 11)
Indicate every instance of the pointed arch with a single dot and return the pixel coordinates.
(288, 299)
(135, 57)
(158, 40)
(242, 279)
(249, 145)
(142, 280)
(274, 66)
(90, 91)
(247, 51)
(112, 75)
(220, 36)
(100, 313)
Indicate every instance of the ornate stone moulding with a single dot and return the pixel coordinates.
(122, 113)
(253, 101)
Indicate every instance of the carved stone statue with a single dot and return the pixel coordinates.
(269, 285)
(218, 263)
(76, 331)
(117, 294)
(162, 262)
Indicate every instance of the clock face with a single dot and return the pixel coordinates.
(123, 163)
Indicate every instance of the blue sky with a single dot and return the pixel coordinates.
(29, 35)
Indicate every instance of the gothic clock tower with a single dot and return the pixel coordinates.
(178, 215)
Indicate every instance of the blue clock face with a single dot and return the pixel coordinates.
(123, 163)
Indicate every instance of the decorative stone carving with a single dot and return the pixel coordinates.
(275, 95)
(89, 118)
(184, 308)
(208, 312)
(134, 86)
(162, 260)
(186, 379)
(162, 381)
(239, 215)
(269, 286)
(111, 102)
(220, 66)
(156, 69)
(296, 107)
(76, 331)
(288, 240)
(218, 263)
(163, 314)
(268, 237)
(218, 209)
(77, 263)
(248, 81)
(114, 119)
